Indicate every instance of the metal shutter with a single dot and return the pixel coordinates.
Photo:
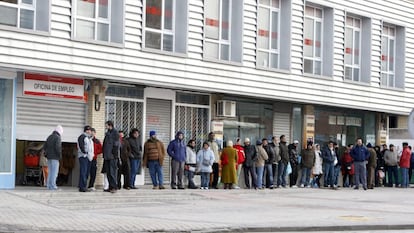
(158, 118)
(37, 118)
(281, 124)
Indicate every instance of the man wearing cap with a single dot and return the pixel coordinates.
(248, 164)
(177, 151)
(53, 153)
(391, 161)
(85, 156)
(154, 153)
(111, 155)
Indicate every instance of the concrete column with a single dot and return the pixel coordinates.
(308, 124)
(96, 118)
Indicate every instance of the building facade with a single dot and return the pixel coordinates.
(315, 70)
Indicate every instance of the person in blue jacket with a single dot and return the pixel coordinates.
(177, 151)
(360, 154)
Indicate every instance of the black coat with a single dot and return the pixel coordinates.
(251, 155)
(136, 147)
(270, 153)
(284, 153)
(111, 145)
(53, 146)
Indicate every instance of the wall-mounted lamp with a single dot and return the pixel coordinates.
(97, 103)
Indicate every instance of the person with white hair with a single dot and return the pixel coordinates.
(228, 163)
(248, 164)
(53, 153)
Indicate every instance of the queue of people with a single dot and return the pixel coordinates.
(263, 165)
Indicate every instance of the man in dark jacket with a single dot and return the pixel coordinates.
(248, 164)
(177, 151)
(111, 154)
(268, 163)
(308, 159)
(294, 162)
(124, 167)
(329, 156)
(284, 155)
(136, 151)
(360, 154)
(53, 153)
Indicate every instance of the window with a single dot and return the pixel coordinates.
(268, 34)
(392, 67)
(223, 29)
(352, 48)
(387, 56)
(100, 20)
(27, 14)
(318, 36)
(166, 25)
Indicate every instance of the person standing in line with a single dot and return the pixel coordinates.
(391, 162)
(43, 165)
(248, 164)
(154, 154)
(372, 163)
(177, 151)
(124, 165)
(205, 160)
(111, 154)
(228, 163)
(240, 159)
(405, 165)
(260, 163)
(308, 160)
(410, 170)
(329, 157)
(97, 150)
(337, 164)
(360, 154)
(383, 150)
(85, 156)
(275, 146)
(284, 155)
(53, 153)
(348, 170)
(317, 167)
(268, 175)
(380, 167)
(216, 150)
(190, 164)
(294, 163)
(136, 152)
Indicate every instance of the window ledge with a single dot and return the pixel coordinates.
(317, 76)
(24, 30)
(98, 42)
(162, 52)
(278, 70)
(232, 63)
(357, 82)
(392, 88)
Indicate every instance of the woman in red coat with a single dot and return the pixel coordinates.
(347, 167)
(240, 157)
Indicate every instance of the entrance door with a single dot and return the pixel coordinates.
(159, 118)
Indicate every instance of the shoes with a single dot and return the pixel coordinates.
(106, 190)
(127, 187)
(181, 187)
(173, 187)
(154, 187)
(293, 186)
(133, 187)
(308, 186)
(84, 190)
(161, 187)
(112, 191)
(91, 189)
(302, 185)
(192, 187)
(365, 188)
(356, 188)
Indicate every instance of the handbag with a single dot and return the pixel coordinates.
(288, 169)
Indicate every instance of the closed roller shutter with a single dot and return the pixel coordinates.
(281, 124)
(37, 118)
(158, 118)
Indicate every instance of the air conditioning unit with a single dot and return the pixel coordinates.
(226, 108)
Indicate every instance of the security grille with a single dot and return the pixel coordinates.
(126, 114)
(193, 122)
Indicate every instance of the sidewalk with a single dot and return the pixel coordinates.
(35, 209)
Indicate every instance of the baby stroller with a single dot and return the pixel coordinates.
(32, 170)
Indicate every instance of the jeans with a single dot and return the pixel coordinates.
(111, 169)
(155, 170)
(269, 175)
(337, 169)
(404, 178)
(92, 174)
(84, 169)
(259, 173)
(392, 172)
(53, 167)
(305, 176)
(177, 173)
(328, 174)
(190, 177)
(360, 174)
(205, 179)
(250, 171)
(281, 174)
(135, 165)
